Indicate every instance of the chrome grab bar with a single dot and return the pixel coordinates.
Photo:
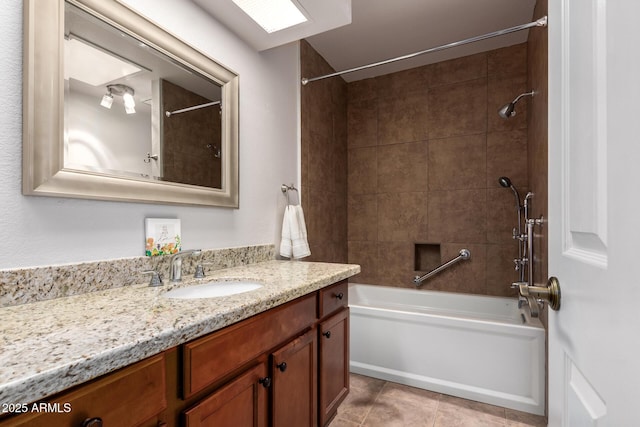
(463, 255)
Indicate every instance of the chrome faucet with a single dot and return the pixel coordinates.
(175, 268)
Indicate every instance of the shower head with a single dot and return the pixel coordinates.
(506, 183)
(509, 110)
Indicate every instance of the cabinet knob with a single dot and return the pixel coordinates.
(339, 296)
(282, 366)
(92, 422)
(266, 382)
(327, 334)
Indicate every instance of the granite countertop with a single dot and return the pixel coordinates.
(52, 345)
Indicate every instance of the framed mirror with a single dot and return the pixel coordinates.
(116, 108)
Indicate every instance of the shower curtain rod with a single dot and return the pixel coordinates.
(542, 22)
(195, 107)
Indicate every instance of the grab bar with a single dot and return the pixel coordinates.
(463, 255)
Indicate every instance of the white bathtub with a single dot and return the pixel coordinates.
(476, 347)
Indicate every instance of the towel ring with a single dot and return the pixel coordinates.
(285, 190)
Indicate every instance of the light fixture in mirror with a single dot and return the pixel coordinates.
(123, 110)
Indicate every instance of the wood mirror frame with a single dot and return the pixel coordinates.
(43, 168)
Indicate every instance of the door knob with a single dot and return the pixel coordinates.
(550, 293)
(282, 366)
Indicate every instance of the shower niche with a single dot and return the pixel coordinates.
(426, 256)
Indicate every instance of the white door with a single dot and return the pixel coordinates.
(594, 212)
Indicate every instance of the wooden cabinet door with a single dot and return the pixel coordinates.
(333, 364)
(241, 403)
(132, 396)
(294, 368)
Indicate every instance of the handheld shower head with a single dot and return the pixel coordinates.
(506, 183)
(509, 110)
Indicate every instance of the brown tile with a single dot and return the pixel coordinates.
(468, 276)
(339, 422)
(508, 61)
(458, 70)
(502, 216)
(403, 118)
(458, 109)
(457, 163)
(507, 156)
(523, 419)
(395, 264)
(403, 167)
(363, 217)
(402, 406)
(366, 255)
(321, 163)
(357, 404)
(325, 215)
(402, 217)
(319, 108)
(395, 392)
(457, 216)
(362, 170)
(502, 91)
(365, 382)
(403, 82)
(304, 156)
(454, 412)
(362, 124)
(362, 90)
(500, 270)
(338, 214)
(326, 251)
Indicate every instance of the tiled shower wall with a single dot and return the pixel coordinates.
(538, 141)
(425, 148)
(324, 159)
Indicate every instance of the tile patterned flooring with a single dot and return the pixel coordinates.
(377, 403)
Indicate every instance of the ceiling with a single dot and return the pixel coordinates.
(383, 29)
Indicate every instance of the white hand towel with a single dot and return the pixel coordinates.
(286, 249)
(293, 243)
(299, 241)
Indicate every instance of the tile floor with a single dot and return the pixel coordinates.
(377, 403)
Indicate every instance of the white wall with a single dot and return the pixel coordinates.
(42, 231)
(106, 139)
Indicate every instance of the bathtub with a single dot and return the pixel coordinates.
(476, 347)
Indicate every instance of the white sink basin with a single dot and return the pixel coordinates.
(213, 289)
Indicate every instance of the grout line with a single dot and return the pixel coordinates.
(435, 415)
(375, 400)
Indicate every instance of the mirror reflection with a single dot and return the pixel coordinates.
(131, 111)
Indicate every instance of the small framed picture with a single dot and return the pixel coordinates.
(162, 236)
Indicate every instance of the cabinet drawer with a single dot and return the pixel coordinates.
(127, 397)
(208, 359)
(333, 298)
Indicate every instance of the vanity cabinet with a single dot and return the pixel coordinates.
(132, 396)
(284, 367)
(295, 357)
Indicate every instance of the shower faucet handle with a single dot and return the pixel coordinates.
(518, 236)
